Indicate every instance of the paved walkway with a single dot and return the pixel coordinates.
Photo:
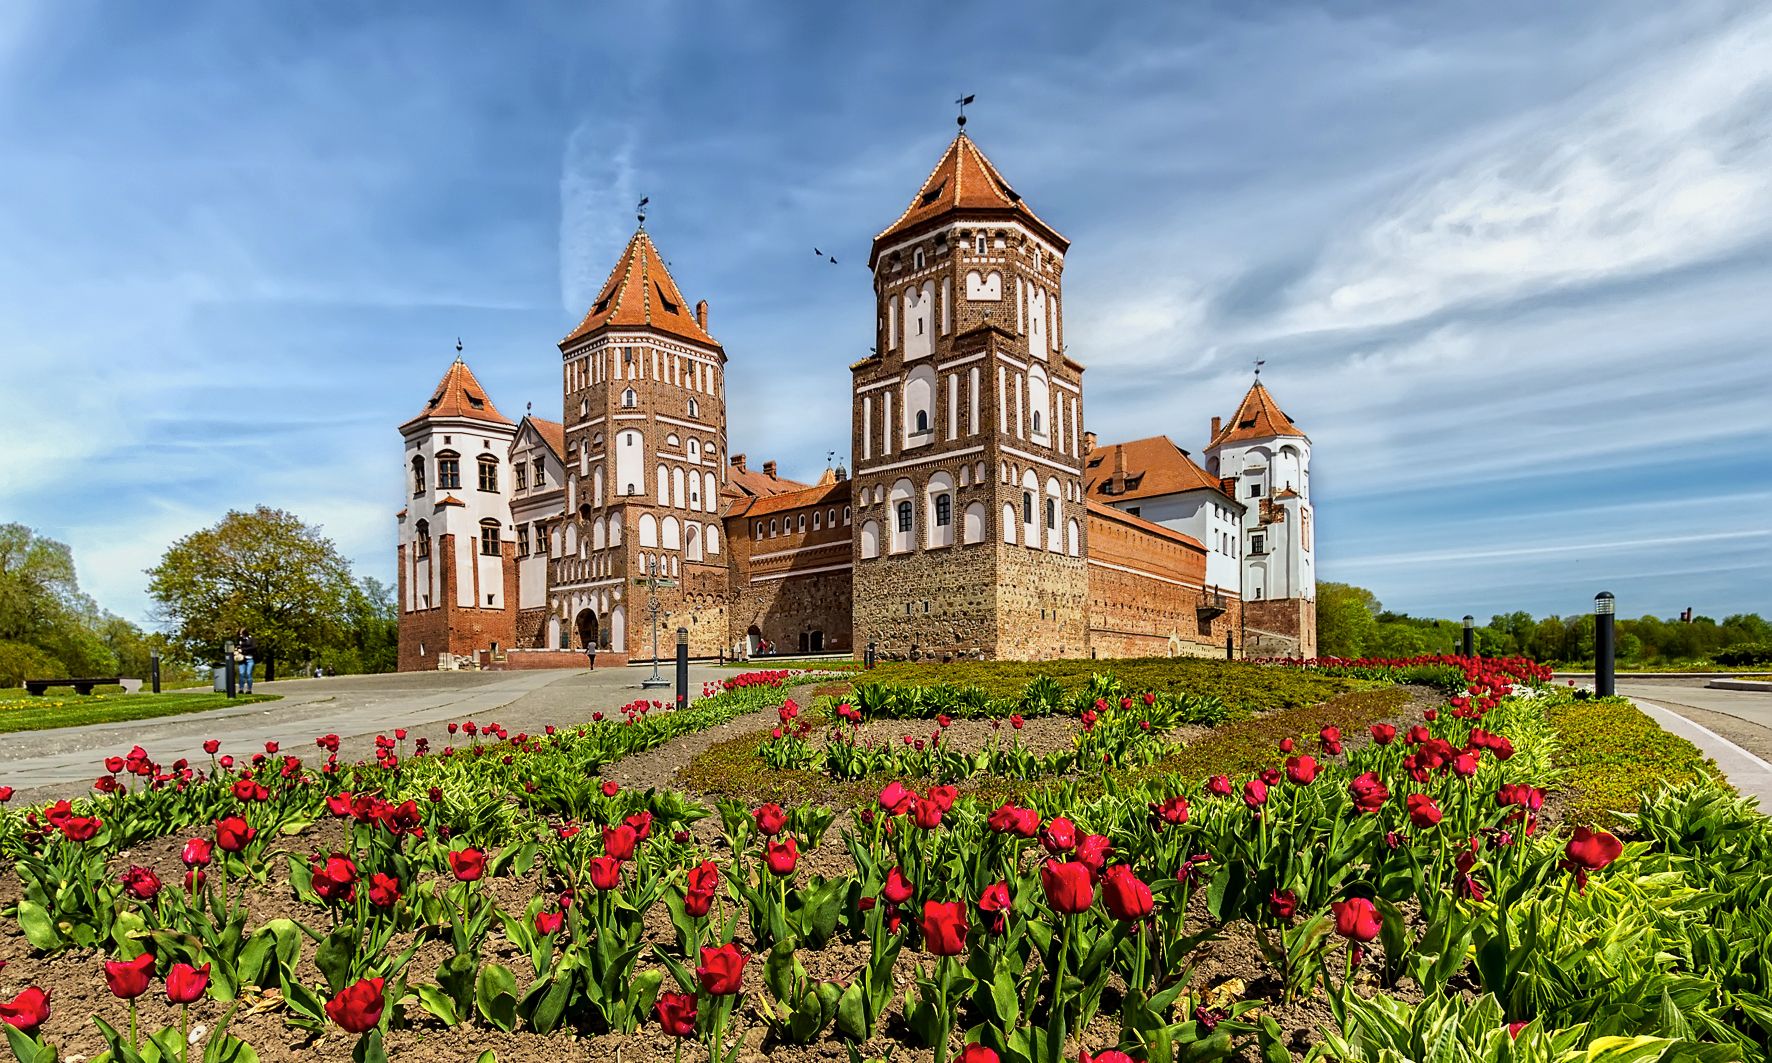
(63, 762)
(1732, 727)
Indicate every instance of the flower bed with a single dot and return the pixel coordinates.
(482, 898)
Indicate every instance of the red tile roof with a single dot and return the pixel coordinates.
(553, 433)
(1259, 417)
(640, 293)
(449, 500)
(458, 394)
(963, 181)
(760, 484)
(1152, 466)
(837, 491)
(1106, 512)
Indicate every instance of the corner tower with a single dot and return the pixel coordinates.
(645, 435)
(967, 426)
(1263, 460)
(457, 568)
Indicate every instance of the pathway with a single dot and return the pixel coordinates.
(1732, 727)
(62, 762)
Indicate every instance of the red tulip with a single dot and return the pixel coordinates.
(196, 853)
(943, 796)
(898, 889)
(721, 973)
(334, 879)
(605, 872)
(704, 876)
(467, 864)
(926, 813)
(1590, 850)
(1356, 919)
(1112, 1055)
(1092, 852)
(1009, 819)
(358, 1006)
(676, 1013)
(27, 1011)
(140, 883)
(1124, 895)
(1067, 886)
(1282, 903)
(782, 857)
(697, 902)
(549, 922)
(211, 746)
(1369, 793)
(619, 842)
(184, 983)
(896, 799)
(1059, 836)
(384, 890)
(1301, 770)
(1384, 734)
(1255, 793)
(944, 927)
(1422, 811)
(81, 828)
(129, 979)
(1174, 811)
(771, 820)
(994, 902)
(610, 788)
(977, 1053)
(233, 834)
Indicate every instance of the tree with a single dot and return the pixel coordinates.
(265, 571)
(48, 628)
(1346, 619)
(370, 642)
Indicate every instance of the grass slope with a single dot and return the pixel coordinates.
(21, 712)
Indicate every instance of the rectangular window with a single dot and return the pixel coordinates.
(448, 474)
(944, 510)
(522, 540)
(904, 516)
(522, 476)
(541, 475)
(488, 475)
(1255, 489)
(489, 539)
(1257, 544)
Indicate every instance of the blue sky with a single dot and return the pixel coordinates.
(1508, 263)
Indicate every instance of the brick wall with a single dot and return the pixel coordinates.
(1282, 627)
(791, 571)
(450, 628)
(1146, 586)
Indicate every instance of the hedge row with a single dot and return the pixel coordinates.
(1613, 754)
(1248, 689)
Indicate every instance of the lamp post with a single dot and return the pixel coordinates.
(682, 668)
(154, 663)
(1470, 636)
(652, 581)
(1604, 608)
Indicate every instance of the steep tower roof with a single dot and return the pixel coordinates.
(458, 394)
(964, 181)
(1259, 417)
(640, 293)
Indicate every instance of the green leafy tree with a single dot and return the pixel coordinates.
(265, 571)
(1346, 619)
(370, 641)
(48, 628)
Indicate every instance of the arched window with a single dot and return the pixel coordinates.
(422, 545)
(692, 542)
(488, 472)
(944, 510)
(629, 399)
(845, 516)
(694, 408)
(695, 450)
(919, 404)
(1027, 507)
(940, 514)
(917, 259)
(972, 527)
(757, 530)
(418, 477)
(978, 244)
(830, 517)
(1039, 429)
(870, 539)
(904, 518)
(922, 421)
(630, 457)
(802, 524)
(905, 515)
(817, 520)
(774, 527)
(648, 531)
(1051, 512)
(448, 471)
(670, 534)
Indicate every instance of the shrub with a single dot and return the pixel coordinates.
(1742, 654)
(1613, 754)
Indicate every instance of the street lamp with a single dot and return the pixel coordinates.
(1604, 608)
(1470, 635)
(653, 583)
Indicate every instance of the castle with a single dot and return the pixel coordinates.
(982, 520)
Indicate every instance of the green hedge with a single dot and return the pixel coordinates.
(1747, 653)
(1613, 753)
(1247, 689)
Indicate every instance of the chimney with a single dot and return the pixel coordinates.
(1215, 423)
(738, 462)
(701, 314)
(1088, 441)
(769, 469)
(1117, 482)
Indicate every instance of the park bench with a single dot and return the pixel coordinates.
(81, 686)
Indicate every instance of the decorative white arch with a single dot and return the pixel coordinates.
(692, 541)
(670, 534)
(972, 530)
(919, 405)
(870, 539)
(938, 509)
(1010, 520)
(712, 540)
(903, 528)
(648, 531)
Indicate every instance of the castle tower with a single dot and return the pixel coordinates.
(1265, 459)
(645, 416)
(967, 426)
(456, 561)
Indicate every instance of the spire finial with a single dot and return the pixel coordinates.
(640, 211)
(458, 348)
(963, 101)
(1259, 362)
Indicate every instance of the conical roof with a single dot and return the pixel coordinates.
(1259, 417)
(641, 293)
(964, 181)
(458, 394)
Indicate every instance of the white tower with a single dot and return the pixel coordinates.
(1265, 460)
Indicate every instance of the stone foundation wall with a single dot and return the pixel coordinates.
(1282, 627)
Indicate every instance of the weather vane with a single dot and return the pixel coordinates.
(1259, 362)
(458, 348)
(640, 210)
(963, 101)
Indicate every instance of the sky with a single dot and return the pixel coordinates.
(1508, 263)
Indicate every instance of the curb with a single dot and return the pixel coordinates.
(1740, 684)
(1749, 774)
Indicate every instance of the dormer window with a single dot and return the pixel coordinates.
(932, 195)
(664, 300)
(476, 401)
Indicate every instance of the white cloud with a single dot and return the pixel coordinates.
(597, 196)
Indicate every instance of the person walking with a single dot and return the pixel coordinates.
(243, 650)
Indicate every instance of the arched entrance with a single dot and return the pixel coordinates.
(753, 640)
(586, 624)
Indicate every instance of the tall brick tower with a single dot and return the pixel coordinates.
(645, 416)
(457, 570)
(967, 431)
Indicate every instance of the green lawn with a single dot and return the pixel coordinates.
(62, 708)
